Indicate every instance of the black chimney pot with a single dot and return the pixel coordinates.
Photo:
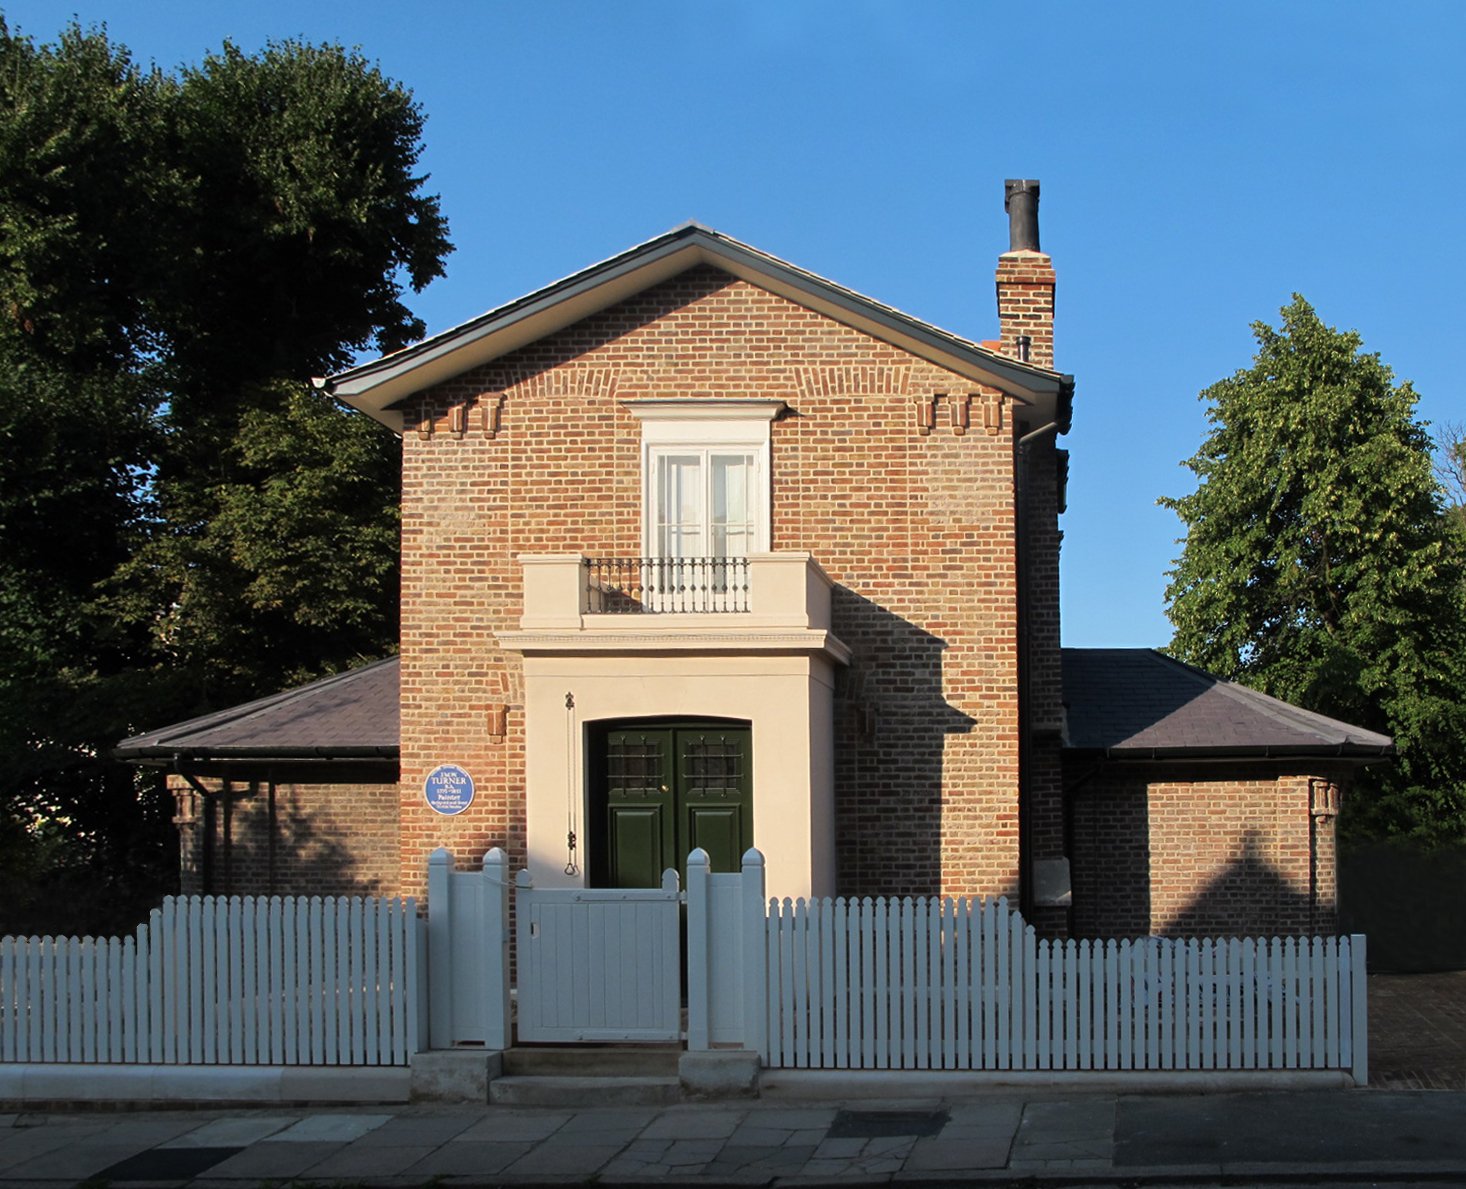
(1020, 200)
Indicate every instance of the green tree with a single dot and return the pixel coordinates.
(182, 522)
(1319, 565)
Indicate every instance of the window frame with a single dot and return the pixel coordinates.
(706, 427)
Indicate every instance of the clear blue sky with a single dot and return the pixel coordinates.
(1200, 163)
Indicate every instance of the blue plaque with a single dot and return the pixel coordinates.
(448, 789)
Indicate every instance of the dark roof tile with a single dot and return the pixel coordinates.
(352, 714)
(1136, 702)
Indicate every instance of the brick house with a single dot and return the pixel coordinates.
(701, 549)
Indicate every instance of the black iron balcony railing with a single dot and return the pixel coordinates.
(666, 585)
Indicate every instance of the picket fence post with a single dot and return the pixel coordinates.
(440, 949)
(1359, 1009)
(699, 1006)
(496, 948)
(755, 953)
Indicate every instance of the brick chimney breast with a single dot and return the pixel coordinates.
(1025, 281)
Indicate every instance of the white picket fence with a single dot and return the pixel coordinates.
(222, 981)
(966, 984)
(891, 983)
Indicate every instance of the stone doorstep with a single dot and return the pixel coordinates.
(573, 1077)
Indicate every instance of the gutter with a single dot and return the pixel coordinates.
(173, 755)
(1359, 753)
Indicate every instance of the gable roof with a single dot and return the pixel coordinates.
(352, 715)
(375, 387)
(1136, 703)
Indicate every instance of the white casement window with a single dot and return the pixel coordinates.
(705, 502)
(705, 476)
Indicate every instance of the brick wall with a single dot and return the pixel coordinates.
(333, 839)
(916, 528)
(1157, 850)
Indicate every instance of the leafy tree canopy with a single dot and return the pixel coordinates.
(1319, 565)
(182, 522)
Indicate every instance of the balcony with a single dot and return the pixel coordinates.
(769, 602)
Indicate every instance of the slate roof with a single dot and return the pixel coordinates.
(352, 715)
(1135, 703)
(1125, 703)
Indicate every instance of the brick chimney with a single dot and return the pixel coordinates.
(1025, 281)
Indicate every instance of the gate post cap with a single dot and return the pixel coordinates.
(753, 857)
(698, 857)
(441, 856)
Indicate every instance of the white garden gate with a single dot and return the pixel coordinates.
(599, 964)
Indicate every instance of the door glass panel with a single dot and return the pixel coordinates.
(680, 525)
(732, 522)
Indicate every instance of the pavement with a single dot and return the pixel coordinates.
(1258, 1137)
(1409, 1127)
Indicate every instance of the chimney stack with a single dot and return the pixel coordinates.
(1025, 281)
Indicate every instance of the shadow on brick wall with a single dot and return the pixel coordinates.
(1251, 897)
(891, 727)
(301, 859)
(1115, 893)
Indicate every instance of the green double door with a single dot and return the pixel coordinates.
(659, 789)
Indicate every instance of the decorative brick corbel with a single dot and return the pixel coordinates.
(992, 414)
(926, 413)
(425, 424)
(458, 420)
(496, 720)
(960, 406)
(1323, 798)
(491, 403)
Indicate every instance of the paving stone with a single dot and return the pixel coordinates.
(164, 1164)
(693, 1123)
(24, 1144)
(370, 1162)
(71, 1162)
(938, 1154)
(234, 1131)
(680, 1153)
(341, 1129)
(840, 1148)
(760, 1158)
(564, 1159)
(463, 1158)
(751, 1136)
(511, 1126)
(988, 1114)
(269, 1161)
(422, 1130)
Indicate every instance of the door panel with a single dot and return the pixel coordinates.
(663, 788)
(636, 846)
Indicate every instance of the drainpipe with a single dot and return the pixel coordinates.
(205, 838)
(1025, 671)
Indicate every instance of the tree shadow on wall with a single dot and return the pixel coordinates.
(892, 721)
(301, 858)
